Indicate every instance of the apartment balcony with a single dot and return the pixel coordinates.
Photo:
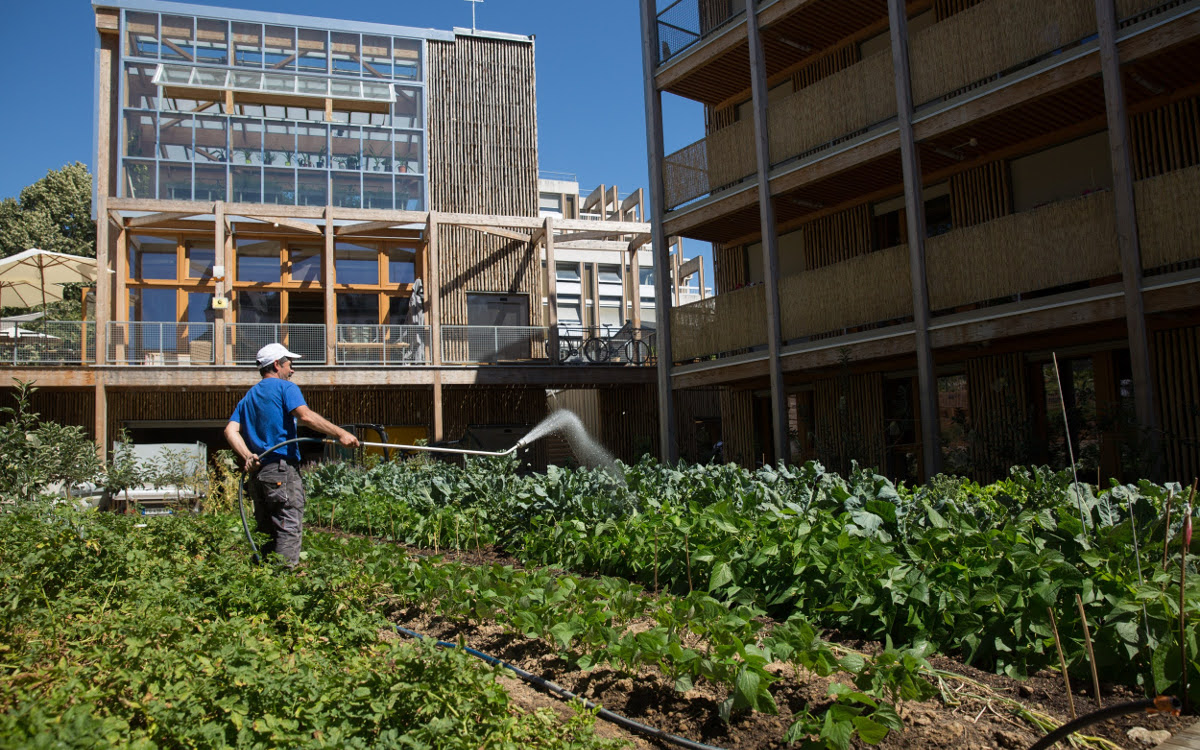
(1068, 247)
(49, 343)
(837, 137)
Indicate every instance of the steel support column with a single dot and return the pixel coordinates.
(668, 449)
(770, 238)
(914, 205)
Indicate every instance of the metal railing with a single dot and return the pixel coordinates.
(243, 340)
(472, 345)
(597, 345)
(383, 345)
(685, 22)
(132, 342)
(48, 342)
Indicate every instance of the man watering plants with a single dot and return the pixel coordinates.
(267, 416)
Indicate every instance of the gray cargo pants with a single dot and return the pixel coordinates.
(279, 509)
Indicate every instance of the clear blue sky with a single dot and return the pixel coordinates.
(591, 105)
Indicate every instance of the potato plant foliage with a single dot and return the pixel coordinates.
(113, 634)
(952, 567)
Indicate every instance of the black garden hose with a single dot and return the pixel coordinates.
(1163, 704)
(562, 692)
(242, 485)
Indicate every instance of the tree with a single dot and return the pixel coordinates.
(54, 213)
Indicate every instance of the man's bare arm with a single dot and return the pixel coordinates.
(233, 436)
(315, 421)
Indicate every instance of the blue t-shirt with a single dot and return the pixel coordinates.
(265, 416)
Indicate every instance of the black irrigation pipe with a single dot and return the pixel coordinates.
(562, 692)
(1161, 705)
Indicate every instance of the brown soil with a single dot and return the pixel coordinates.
(978, 711)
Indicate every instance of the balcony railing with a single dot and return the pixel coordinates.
(725, 323)
(471, 345)
(863, 290)
(50, 342)
(383, 345)
(153, 343)
(685, 22)
(612, 345)
(243, 340)
(1168, 223)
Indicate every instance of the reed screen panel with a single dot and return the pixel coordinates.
(723, 323)
(1168, 222)
(1058, 244)
(989, 38)
(865, 289)
(839, 105)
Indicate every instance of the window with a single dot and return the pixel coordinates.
(258, 260)
(402, 267)
(358, 309)
(304, 263)
(152, 305)
(355, 264)
(152, 258)
(200, 257)
(257, 307)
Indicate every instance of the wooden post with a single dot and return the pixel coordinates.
(770, 239)
(433, 305)
(551, 290)
(121, 291)
(668, 450)
(328, 278)
(230, 256)
(915, 209)
(433, 293)
(104, 280)
(218, 342)
(1127, 230)
(101, 415)
(635, 271)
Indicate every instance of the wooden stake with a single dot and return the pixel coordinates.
(1062, 661)
(656, 561)
(331, 512)
(1087, 640)
(1184, 543)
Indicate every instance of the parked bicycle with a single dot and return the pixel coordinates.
(622, 342)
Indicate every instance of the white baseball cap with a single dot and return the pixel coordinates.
(272, 353)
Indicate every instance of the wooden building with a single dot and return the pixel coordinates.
(266, 177)
(916, 208)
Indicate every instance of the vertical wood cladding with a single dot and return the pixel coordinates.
(837, 237)
(997, 389)
(849, 422)
(980, 194)
(62, 407)
(826, 65)
(737, 426)
(943, 9)
(482, 127)
(1166, 139)
(515, 405)
(1176, 356)
(630, 421)
(483, 160)
(729, 267)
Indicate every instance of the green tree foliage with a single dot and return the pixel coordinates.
(54, 213)
(36, 453)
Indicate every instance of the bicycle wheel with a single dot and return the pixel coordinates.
(596, 351)
(566, 350)
(637, 351)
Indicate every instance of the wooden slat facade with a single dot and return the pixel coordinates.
(1176, 357)
(837, 237)
(999, 413)
(630, 421)
(483, 160)
(1165, 139)
(848, 420)
(737, 426)
(980, 194)
(729, 267)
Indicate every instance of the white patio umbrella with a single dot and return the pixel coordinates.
(28, 274)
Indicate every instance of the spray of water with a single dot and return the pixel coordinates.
(586, 449)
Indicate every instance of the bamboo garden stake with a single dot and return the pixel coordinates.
(1062, 661)
(1087, 641)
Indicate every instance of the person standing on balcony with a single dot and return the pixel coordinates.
(267, 416)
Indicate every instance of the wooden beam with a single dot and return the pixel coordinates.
(439, 432)
(104, 281)
(551, 288)
(108, 20)
(598, 234)
(100, 415)
(433, 297)
(1127, 230)
(151, 219)
(915, 210)
(367, 226)
(220, 317)
(498, 232)
(770, 243)
(538, 236)
(638, 241)
(303, 226)
(179, 50)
